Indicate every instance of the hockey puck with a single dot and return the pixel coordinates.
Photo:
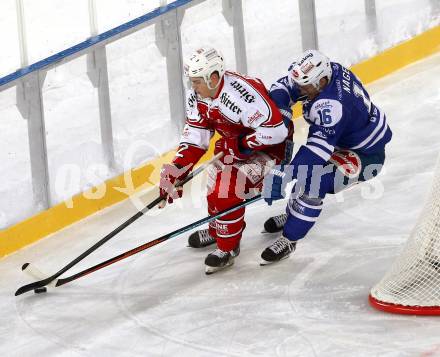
(40, 290)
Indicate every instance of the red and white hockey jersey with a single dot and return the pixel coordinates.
(242, 109)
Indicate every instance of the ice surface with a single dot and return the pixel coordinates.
(160, 303)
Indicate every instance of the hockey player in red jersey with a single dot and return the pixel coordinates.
(253, 136)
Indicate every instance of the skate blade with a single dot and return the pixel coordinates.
(266, 232)
(211, 270)
(206, 246)
(265, 262)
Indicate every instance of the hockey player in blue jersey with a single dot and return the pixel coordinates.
(345, 145)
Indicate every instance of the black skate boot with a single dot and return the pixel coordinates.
(220, 259)
(276, 223)
(279, 250)
(200, 239)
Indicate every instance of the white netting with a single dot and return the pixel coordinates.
(414, 278)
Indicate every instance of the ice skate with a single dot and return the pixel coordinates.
(277, 251)
(219, 259)
(275, 224)
(200, 239)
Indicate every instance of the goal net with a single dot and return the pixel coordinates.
(412, 285)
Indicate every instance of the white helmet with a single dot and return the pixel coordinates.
(309, 68)
(204, 62)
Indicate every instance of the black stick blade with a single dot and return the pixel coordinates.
(32, 286)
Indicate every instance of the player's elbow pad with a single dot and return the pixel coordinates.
(279, 134)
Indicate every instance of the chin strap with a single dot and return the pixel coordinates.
(208, 82)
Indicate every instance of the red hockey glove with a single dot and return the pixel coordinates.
(231, 147)
(168, 176)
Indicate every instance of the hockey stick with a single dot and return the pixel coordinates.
(48, 280)
(152, 243)
(35, 273)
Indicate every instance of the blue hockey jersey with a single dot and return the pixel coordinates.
(342, 116)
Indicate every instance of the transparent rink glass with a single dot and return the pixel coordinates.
(17, 201)
(281, 31)
(54, 25)
(347, 34)
(75, 153)
(142, 125)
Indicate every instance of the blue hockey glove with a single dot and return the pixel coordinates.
(274, 184)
